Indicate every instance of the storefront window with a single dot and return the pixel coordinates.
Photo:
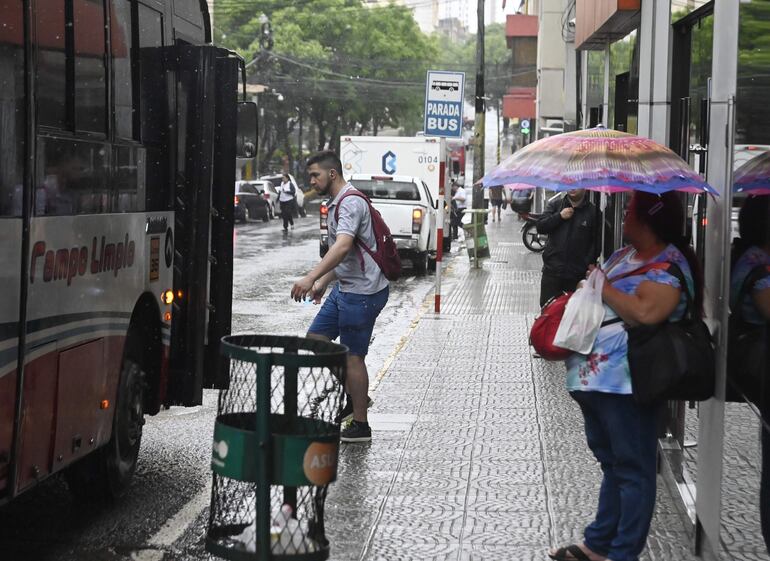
(624, 84)
(682, 8)
(595, 94)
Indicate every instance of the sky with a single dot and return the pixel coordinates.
(462, 9)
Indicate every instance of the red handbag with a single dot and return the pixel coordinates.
(545, 326)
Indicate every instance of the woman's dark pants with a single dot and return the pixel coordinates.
(623, 437)
(287, 212)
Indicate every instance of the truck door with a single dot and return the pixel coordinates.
(206, 82)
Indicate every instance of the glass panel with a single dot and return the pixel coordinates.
(623, 95)
(702, 44)
(12, 110)
(90, 70)
(128, 179)
(746, 484)
(71, 177)
(51, 72)
(120, 40)
(595, 94)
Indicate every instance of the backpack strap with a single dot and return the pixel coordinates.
(359, 244)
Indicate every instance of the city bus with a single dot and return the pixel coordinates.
(118, 126)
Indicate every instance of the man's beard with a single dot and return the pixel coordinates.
(325, 190)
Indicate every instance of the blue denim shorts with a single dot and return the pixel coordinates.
(350, 317)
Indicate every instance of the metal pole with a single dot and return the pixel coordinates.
(499, 139)
(442, 197)
(478, 149)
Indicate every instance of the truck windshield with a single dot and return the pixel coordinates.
(383, 189)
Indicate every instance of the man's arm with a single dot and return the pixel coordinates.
(551, 218)
(337, 252)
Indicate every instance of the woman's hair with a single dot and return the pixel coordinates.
(285, 176)
(664, 215)
(753, 226)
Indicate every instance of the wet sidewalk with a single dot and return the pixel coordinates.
(478, 452)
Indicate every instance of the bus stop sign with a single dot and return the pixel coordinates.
(444, 103)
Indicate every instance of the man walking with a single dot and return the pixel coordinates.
(361, 290)
(570, 222)
(459, 205)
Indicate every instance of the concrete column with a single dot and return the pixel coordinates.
(606, 102)
(646, 45)
(655, 70)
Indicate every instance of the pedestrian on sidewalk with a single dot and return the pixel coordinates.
(360, 291)
(621, 433)
(496, 200)
(459, 205)
(287, 197)
(570, 223)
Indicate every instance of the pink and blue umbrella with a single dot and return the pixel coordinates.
(597, 159)
(753, 177)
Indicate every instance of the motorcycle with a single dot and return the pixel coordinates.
(533, 240)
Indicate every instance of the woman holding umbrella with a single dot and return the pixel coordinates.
(621, 433)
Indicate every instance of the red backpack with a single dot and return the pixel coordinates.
(386, 254)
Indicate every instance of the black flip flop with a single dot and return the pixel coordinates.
(575, 551)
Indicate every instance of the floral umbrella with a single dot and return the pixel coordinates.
(753, 177)
(598, 159)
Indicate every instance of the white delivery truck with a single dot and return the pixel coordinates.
(418, 156)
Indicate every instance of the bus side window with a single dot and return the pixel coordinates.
(152, 76)
(90, 70)
(12, 109)
(51, 62)
(153, 109)
(121, 47)
(71, 177)
(128, 179)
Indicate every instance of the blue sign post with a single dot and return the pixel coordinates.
(444, 104)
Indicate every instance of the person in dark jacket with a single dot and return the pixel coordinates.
(570, 223)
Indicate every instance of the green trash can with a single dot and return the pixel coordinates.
(275, 448)
(476, 240)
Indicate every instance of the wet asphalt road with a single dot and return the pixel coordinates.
(163, 516)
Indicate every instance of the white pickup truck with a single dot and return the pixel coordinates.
(409, 210)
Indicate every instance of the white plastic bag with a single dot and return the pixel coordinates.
(583, 316)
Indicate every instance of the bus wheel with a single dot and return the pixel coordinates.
(107, 473)
(122, 452)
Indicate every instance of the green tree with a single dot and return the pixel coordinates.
(340, 66)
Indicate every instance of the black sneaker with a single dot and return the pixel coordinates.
(347, 411)
(356, 432)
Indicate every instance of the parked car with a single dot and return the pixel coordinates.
(276, 179)
(250, 202)
(406, 205)
(270, 195)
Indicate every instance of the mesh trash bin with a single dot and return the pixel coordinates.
(275, 448)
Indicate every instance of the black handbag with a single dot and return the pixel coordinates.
(746, 347)
(672, 360)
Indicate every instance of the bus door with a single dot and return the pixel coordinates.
(13, 148)
(206, 81)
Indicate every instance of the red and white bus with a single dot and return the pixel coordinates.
(117, 163)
